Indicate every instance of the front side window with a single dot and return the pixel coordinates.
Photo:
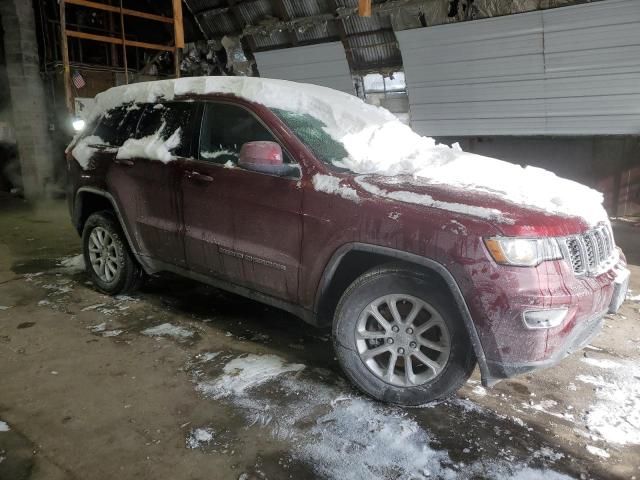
(225, 128)
(311, 132)
(167, 120)
(118, 124)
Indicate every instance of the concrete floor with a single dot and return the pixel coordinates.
(236, 390)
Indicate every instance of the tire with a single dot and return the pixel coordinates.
(377, 289)
(125, 274)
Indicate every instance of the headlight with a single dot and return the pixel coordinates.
(523, 252)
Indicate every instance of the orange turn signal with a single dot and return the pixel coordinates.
(493, 245)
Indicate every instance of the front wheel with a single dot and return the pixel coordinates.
(401, 339)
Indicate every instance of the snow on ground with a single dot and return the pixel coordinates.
(4, 427)
(168, 330)
(598, 452)
(71, 265)
(331, 185)
(341, 435)
(112, 333)
(615, 413)
(244, 373)
(600, 362)
(376, 142)
(199, 437)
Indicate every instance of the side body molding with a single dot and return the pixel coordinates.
(437, 267)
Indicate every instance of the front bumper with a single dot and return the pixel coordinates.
(579, 338)
(510, 347)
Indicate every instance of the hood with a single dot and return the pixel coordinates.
(509, 218)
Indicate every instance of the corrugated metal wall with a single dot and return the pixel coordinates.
(324, 64)
(567, 71)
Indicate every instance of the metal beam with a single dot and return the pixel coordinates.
(343, 36)
(233, 7)
(281, 10)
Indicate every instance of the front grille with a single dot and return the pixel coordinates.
(592, 252)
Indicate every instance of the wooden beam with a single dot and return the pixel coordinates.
(123, 37)
(178, 35)
(125, 11)
(364, 8)
(118, 41)
(68, 91)
(178, 26)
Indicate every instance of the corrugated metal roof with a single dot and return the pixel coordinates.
(217, 25)
(374, 49)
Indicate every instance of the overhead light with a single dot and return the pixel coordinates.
(78, 124)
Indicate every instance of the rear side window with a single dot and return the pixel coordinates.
(225, 128)
(167, 118)
(118, 124)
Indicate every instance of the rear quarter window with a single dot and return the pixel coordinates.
(165, 119)
(118, 124)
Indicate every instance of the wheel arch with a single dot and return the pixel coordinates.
(89, 200)
(366, 256)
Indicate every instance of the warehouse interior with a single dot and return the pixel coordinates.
(91, 386)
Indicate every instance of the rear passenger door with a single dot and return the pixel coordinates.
(144, 179)
(242, 225)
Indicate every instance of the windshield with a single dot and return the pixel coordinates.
(311, 132)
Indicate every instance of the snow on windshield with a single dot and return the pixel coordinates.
(377, 143)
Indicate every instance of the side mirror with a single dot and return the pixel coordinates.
(265, 157)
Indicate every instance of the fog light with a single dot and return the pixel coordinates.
(544, 318)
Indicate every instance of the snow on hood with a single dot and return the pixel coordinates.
(378, 143)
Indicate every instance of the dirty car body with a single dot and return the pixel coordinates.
(282, 237)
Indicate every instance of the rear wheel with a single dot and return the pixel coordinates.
(400, 339)
(112, 267)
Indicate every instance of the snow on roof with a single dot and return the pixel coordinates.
(378, 143)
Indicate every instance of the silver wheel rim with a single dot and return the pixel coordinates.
(103, 254)
(402, 340)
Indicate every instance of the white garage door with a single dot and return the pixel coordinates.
(324, 64)
(565, 71)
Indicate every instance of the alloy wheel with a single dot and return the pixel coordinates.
(103, 254)
(402, 340)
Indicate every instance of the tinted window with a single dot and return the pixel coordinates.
(311, 132)
(118, 124)
(167, 119)
(225, 128)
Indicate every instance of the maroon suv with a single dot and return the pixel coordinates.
(291, 194)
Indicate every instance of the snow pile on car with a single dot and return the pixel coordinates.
(153, 147)
(378, 143)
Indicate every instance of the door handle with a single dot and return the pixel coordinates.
(199, 176)
(122, 161)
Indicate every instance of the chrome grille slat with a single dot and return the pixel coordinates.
(588, 249)
(590, 252)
